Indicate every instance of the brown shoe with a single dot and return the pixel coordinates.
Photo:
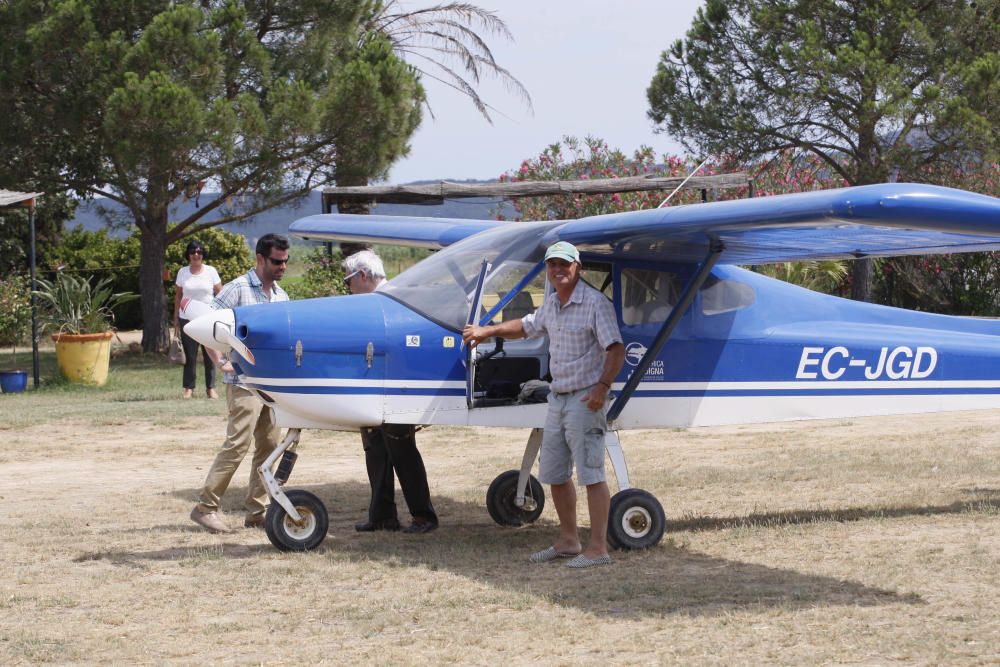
(254, 521)
(211, 393)
(187, 393)
(210, 521)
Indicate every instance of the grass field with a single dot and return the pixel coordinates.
(863, 541)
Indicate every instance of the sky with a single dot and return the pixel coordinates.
(586, 65)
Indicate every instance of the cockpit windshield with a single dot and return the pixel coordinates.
(441, 287)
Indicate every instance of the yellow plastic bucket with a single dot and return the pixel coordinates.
(84, 358)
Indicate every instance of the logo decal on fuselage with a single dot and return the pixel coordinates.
(897, 363)
(634, 353)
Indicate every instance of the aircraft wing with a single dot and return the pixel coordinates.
(432, 233)
(873, 220)
(846, 223)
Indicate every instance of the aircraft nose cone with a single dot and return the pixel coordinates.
(212, 329)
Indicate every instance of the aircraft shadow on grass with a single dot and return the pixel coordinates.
(664, 580)
(978, 499)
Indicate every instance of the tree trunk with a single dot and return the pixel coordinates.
(869, 171)
(155, 335)
(357, 207)
(861, 279)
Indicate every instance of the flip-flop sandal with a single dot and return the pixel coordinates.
(549, 554)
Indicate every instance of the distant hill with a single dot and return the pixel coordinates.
(90, 217)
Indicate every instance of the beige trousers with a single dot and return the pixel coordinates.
(248, 418)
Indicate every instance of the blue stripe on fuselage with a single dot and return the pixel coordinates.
(831, 390)
(368, 391)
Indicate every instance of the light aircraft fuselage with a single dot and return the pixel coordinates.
(707, 342)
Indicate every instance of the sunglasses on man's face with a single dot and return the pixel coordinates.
(278, 262)
(350, 276)
(196, 252)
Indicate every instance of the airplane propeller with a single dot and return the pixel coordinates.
(238, 346)
(214, 329)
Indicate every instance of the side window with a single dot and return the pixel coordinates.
(723, 296)
(648, 295)
(597, 276)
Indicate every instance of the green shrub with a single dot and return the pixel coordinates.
(323, 276)
(15, 312)
(52, 212)
(118, 259)
(226, 251)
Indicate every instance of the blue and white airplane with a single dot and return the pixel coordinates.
(707, 342)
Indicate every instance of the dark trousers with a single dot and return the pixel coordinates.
(389, 447)
(191, 361)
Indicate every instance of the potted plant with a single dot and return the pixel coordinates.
(15, 315)
(81, 316)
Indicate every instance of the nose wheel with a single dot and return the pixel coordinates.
(636, 520)
(289, 535)
(501, 500)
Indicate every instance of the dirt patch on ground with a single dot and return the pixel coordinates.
(858, 541)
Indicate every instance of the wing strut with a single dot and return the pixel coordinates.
(687, 297)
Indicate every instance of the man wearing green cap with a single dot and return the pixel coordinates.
(585, 356)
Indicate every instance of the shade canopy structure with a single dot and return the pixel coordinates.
(10, 198)
(436, 193)
(14, 199)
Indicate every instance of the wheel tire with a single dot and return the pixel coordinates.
(285, 534)
(500, 500)
(636, 520)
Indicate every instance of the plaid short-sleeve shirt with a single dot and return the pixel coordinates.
(579, 332)
(247, 290)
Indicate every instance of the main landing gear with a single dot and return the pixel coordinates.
(636, 521)
(297, 520)
(504, 506)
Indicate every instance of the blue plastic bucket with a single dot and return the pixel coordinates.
(12, 382)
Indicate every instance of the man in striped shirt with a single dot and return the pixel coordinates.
(585, 355)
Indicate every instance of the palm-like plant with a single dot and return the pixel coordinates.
(442, 42)
(70, 305)
(818, 275)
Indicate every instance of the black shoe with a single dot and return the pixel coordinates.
(418, 527)
(371, 526)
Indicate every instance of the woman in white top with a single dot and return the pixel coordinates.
(198, 282)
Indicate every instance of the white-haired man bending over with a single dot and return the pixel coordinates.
(390, 446)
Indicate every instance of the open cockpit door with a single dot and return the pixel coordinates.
(511, 290)
(472, 353)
